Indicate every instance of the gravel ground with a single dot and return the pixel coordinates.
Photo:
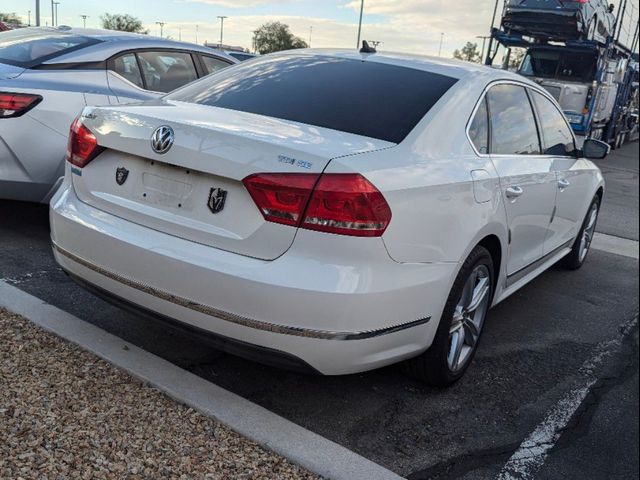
(64, 413)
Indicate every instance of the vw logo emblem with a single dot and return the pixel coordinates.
(162, 139)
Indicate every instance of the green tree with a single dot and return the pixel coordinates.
(515, 59)
(469, 53)
(274, 37)
(123, 23)
(9, 18)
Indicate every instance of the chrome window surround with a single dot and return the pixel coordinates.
(528, 87)
(237, 319)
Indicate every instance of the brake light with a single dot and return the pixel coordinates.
(16, 104)
(344, 204)
(83, 145)
(281, 197)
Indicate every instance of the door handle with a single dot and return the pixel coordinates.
(563, 183)
(514, 192)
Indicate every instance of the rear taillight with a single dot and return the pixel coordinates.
(83, 145)
(345, 204)
(281, 197)
(16, 104)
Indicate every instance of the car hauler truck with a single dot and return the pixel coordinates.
(595, 83)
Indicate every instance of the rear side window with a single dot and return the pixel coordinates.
(513, 124)
(28, 47)
(361, 97)
(127, 66)
(556, 134)
(166, 71)
(479, 128)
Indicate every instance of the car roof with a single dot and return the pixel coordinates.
(112, 42)
(450, 67)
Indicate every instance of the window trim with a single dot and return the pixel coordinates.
(195, 58)
(564, 117)
(526, 86)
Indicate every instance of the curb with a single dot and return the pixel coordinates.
(299, 445)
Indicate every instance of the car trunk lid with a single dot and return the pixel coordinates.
(195, 189)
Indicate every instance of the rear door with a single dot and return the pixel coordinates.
(527, 177)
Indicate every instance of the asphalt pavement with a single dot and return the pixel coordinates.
(533, 352)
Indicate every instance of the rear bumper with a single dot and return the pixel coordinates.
(555, 24)
(334, 304)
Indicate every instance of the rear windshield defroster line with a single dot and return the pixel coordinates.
(361, 97)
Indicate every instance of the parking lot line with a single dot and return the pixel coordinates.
(616, 245)
(301, 446)
(532, 452)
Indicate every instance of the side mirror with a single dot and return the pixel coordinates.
(595, 149)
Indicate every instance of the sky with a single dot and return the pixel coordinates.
(413, 26)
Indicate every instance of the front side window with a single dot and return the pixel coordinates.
(556, 134)
(479, 128)
(513, 124)
(365, 98)
(554, 64)
(30, 47)
(166, 71)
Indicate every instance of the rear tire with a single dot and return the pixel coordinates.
(460, 327)
(582, 245)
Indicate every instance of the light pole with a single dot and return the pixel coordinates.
(37, 13)
(441, 42)
(84, 20)
(488, 60)
(221, 17)
(162, 24)
(484, 44)
(197, 30)
(360, 23)
(29, 17)
(53, 15)
(310, 35)
(55, 4)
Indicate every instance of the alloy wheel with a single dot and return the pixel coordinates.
(589, 231)
(468, 317)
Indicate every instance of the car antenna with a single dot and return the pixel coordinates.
(366, 48)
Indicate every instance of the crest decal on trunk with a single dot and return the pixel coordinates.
(121, 175)
(217, 199)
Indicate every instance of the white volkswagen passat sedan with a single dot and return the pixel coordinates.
(328, 210)
(48, 75)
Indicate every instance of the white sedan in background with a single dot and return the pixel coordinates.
(328, 210)
(48, 75)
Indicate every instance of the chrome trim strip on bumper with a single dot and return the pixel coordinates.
(237, 319)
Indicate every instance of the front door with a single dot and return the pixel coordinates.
(573, 174)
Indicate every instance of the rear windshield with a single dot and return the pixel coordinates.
(29, 47)
(570, 65)
(365, 98)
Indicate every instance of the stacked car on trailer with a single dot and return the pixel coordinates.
(573, 50)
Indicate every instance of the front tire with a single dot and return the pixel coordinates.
(581, 246)
(460, 328)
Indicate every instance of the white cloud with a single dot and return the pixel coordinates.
(399, 32)
(239, 3)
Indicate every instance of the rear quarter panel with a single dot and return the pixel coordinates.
(439, 213)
